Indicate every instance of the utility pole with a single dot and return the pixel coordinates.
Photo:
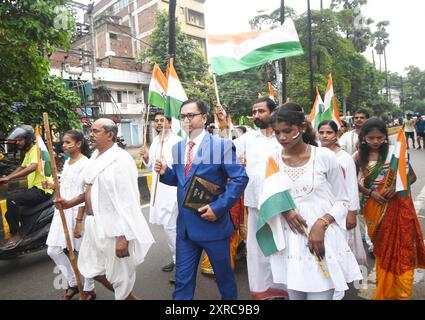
(283, 95)
(172, 29)
(401, 94)
(93, 39)
(310, 52)
(321, 5)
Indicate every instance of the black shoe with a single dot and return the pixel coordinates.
(172, 280)
(169, 267)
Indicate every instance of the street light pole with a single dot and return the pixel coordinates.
(310, 52)
(172, 30)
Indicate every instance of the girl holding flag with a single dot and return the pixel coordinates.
(393, 226)
(303, 209)
(71, 184)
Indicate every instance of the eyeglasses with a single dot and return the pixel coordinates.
(189, 116)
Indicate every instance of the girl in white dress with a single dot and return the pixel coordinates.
(328, 136)
(71, 186)
(318, 189)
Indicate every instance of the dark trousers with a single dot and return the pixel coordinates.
(28, 198)
(188, 253)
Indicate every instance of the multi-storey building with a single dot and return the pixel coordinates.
(120, 82)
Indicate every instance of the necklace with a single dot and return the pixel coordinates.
(293, 170)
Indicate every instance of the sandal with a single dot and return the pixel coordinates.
(70, 293)
(90, 295)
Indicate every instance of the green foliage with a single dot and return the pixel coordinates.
(27, 34)
(190, 63)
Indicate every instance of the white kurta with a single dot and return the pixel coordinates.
(317, 188)
(353, 236)
(350, 174)
(71, 185)
(115, 202)
(165, 208)
(348, 142)
(256, 148)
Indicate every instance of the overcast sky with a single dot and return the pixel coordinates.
(406, 30)
(407, 18)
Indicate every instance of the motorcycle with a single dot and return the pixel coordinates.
(36, 220)
(121, 142)
(35, 226)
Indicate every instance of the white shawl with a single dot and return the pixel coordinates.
(115, 172)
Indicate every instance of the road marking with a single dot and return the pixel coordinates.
(420, 201)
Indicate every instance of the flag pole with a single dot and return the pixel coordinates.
(145, 132)
(160, 156)
(61, 212)
(216, 90)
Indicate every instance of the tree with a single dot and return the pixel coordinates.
(190, 63)
(29, 30)
(356, 81)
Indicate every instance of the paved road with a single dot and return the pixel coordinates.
(33, 276)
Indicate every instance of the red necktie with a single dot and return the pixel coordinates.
(189, 158)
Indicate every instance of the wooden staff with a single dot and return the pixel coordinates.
(160, 156)
(145, 132)
(61, 212)
(320, 261)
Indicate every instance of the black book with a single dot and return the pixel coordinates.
(201, 192)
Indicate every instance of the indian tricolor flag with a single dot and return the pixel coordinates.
(331, 110)
(44, 165)
(175, 98)
(157, 88)
(317, 110)
(231, 53)
(274, 200)
(398, 162)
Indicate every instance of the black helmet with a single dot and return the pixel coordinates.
(23, 131)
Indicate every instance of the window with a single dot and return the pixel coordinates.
(119, 96)
(113, 36)
(195, 18)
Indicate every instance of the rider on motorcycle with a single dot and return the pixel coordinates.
(23, 136)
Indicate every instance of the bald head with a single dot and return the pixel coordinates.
(109, 126)
(103, 134)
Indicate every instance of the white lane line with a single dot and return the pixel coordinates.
(420, 202)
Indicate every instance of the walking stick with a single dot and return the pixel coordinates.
(61, 212)
(160, 156)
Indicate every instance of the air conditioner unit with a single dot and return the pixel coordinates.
(73, 70)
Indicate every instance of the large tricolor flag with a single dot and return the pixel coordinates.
(274, 200)
(331, 110)
(175, 98)
(231, 53)
(398, 162)
(158, 88)
(317, 110)
(44, 165)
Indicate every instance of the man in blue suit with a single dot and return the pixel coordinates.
(210, 227)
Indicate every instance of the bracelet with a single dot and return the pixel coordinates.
(79, 220)
(325, 221)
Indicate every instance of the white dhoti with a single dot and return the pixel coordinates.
(116, 207)
(97, 257)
